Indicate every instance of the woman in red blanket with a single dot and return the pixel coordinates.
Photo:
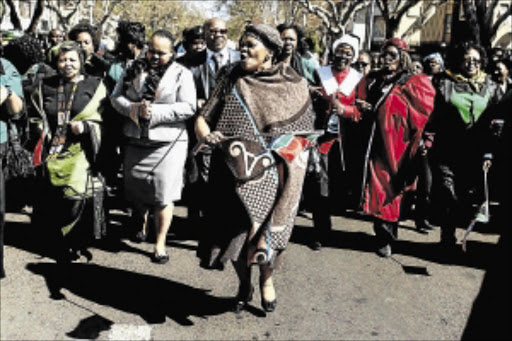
(401, 104)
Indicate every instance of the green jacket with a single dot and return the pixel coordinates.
(71, 169)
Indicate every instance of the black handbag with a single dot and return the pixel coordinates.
(17, 162)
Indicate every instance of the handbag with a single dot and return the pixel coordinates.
(18, 162)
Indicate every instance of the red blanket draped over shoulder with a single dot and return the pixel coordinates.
(399, 127)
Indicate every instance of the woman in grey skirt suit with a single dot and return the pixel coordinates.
(156, 95)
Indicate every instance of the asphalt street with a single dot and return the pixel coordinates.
(343, 292)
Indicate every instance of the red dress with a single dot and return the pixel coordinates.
(350, 110)
(401, 117)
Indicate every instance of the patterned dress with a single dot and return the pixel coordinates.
(259, 190)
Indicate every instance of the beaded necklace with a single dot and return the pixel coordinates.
(64, 112)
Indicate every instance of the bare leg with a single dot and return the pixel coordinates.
(268, 292)
(163, 218)
(144, 214)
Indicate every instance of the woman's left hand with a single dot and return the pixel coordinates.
(77, 128)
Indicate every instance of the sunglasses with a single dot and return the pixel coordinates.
(472, 60)
(222, 31)
(344, 55)
(361, 64)
(392, 55)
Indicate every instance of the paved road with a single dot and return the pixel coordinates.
(343, 292)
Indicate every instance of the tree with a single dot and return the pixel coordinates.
(428, 11)
(13, 15)
(271, 12)
(64, 20)
(335, 15)
(103, 11)
(393, 11)
(36, 17)
(154, 14)
(480, 20)
(15, 19)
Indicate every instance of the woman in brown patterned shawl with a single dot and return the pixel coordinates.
(258, 117)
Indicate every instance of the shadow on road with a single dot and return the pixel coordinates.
(489, 318)
(477, 256)
(41, 241)
(152, 298)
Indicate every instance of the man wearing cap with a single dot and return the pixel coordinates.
(338, 84)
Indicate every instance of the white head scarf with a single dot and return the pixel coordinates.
(352, 41)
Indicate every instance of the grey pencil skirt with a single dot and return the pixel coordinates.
(153, 176)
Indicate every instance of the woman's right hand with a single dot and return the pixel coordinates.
(214, 138)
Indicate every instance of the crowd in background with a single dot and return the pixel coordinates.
(248, 135)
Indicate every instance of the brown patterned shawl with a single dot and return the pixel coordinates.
(258, 108)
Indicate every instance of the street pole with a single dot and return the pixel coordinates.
(91, 5)
(370, 12)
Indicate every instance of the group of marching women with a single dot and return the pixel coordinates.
(270, 115)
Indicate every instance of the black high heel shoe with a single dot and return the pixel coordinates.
(244, 296)
(268, 306)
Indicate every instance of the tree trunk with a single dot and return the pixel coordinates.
(36, 18)
(472, 20)
(392, 27)
(13, 14)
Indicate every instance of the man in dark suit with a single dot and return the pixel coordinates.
(218, 55)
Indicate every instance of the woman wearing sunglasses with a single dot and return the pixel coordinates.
(400, 104)
(463, 127)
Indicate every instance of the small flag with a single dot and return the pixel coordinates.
(288, 146)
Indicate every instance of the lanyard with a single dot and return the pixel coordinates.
(63, 115)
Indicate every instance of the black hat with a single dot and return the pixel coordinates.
(196, 32)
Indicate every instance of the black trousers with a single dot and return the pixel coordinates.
(316, 193)
(460, 188)
(424, 188)
(197, 183)
(385, 232)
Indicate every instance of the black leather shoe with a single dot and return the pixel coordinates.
(244, 296)
(423, 225)
(384, 251)
(140, 237)
(268, 306)
(159, 259)
(316, 246)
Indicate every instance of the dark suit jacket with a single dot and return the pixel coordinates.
(207, 75)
